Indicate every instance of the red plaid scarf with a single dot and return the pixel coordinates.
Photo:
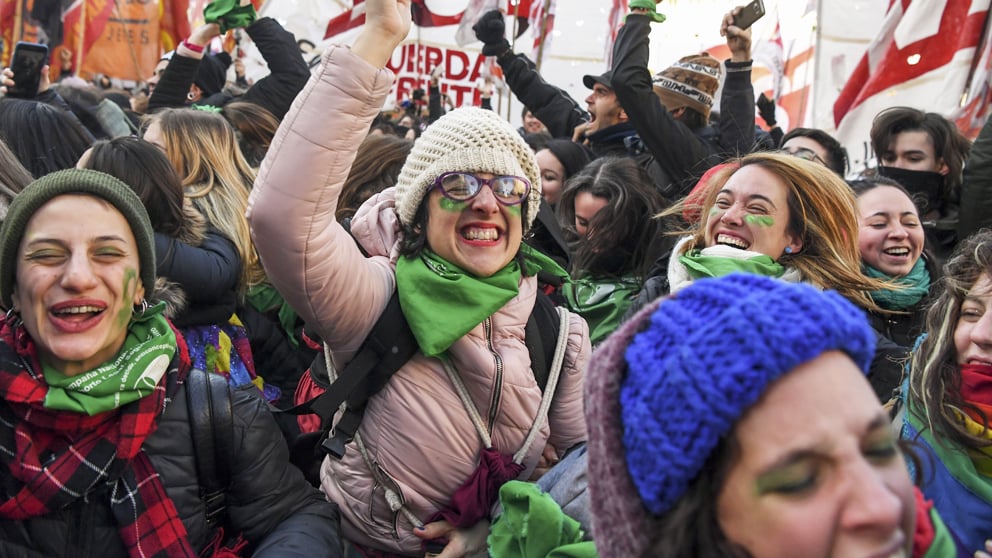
(85, 452)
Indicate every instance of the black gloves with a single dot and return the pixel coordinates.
(766, 108)
(491, 30)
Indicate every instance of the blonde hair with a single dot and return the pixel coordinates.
(822, 212)
(203, 148)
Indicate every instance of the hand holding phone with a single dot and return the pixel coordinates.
(26, 65)
(749, 14)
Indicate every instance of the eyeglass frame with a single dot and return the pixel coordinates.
(438, 185)
(816, 158)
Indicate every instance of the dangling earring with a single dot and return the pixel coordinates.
(13, 319)
(136, 313)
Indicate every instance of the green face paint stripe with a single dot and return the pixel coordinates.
(760, 220)
(714, 210)
(452, 205)
(514, 210)
(129, 287)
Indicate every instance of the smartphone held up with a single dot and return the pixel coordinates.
(749, 14)
(26, 65)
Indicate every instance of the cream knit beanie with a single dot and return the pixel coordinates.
(466, 139)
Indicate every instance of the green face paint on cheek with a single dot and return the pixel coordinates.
(129, 287)
(760, 220)
(514, 210)
(452, 205)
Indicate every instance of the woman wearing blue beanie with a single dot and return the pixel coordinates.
(715, 430)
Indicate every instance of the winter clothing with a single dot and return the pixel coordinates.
(269, 502)
(655, 372)
(275, 92)
(532, 525)
(467, 139)
(690, 82)
(664, 391)
(976, 199)
(602, 301)
(74, 181)
(340, 293)
(683, 154)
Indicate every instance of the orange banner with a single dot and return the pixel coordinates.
(128, 45)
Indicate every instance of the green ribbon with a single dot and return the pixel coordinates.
(650, 6)
(229, 14)
(130, 375)
(442, 302)
(265, 298)
(915, 285)
(700, 266)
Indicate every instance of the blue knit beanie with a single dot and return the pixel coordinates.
(709, 353)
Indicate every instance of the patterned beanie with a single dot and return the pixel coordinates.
(466, 139)
(664, 388)
(73, 181)
(691, 82)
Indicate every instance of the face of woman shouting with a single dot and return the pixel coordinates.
(77, 281)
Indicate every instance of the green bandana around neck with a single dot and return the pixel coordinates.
(442, 302)
(915, 285)
(700, 266)
(132, 374)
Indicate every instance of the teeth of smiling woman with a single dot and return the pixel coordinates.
(732, 241)
(78, 310)
(481, 234)
(897, 251)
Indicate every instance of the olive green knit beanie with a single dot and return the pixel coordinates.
(73, 181)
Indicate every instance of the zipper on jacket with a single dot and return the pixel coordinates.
(497, 396)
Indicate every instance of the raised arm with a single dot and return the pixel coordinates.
(288, 73)
(308, 256)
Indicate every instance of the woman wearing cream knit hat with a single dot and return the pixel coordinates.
(447, 238)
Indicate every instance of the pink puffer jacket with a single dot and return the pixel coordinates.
(416, 430)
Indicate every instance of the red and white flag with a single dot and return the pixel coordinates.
(424, 17)
(542, 23)
(465, 35)
(923, 56)
(617, 13)
(346, 20)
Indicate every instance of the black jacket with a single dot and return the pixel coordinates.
(269, 502)
(682, 154)
(976, 191)
(207, 268)
(275, 92)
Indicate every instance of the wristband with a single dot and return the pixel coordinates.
(195, 48)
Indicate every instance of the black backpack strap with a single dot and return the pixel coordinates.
(211, 419)
(541, 337)
(387, 348)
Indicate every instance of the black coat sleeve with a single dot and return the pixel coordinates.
(174, 84)
(551, 105)
(677, 150)
(736, 111)
(288, 72)
(205, 272)
(269, 500)
(976, 191)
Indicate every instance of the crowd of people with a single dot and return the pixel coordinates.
(271, 319)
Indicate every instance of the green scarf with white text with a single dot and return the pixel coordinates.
(130, 375)
(442, 302)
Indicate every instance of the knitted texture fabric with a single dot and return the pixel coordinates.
(747, 319)
(690, 82)
(466, 139)
(73, 181)
(707, 355)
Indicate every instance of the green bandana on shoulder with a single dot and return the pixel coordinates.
(442, 302)
(132, 374)
(700, 266)
(602, 302)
